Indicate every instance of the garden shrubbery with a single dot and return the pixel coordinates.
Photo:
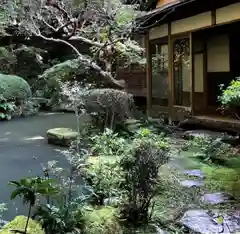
(14, 88)
(14, 93)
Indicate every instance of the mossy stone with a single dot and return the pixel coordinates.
(61, 136)
(19, 224)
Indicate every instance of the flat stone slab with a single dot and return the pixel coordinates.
(61, 136)
(215, 198)
(195, 173)
(191, 183)
(202, 133)
(201, 221)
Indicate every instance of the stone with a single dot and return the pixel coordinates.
(61, 136)
(226, 138)
(195, 173)
(215, 198)
(191, 183)
(202, 221)
(111, 201)
(201, 133)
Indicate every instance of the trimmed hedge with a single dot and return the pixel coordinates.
(14, 88)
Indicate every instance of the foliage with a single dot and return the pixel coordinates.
(104, 177)
(53, 78)
(157, 126)
(30, 62)
(108, 107)
(222, 178)
(63, 212)
(6, 109)
(211, 150)
(140, 165)
(28, 189)
(108, 143)
(102, 221)
(24, 61)
(106, 28)
(14, 88)
(30, 108)
(7, 60)
(19, 224)
(231, 95)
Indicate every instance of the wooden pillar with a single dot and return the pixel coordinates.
(149, 74)
(170, 75)
(205, 62)
(191, 71)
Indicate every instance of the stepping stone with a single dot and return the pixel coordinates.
(215, 198)
(61, 136)
(201, 133)
(191, 183)
(201, 221)
(196, 173)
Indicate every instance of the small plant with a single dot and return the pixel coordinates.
(6, 110)
(108, 144)
(28, 189)
(104, 178)
(230, 97)
(211, 150)
(63, 211)
(140, 165)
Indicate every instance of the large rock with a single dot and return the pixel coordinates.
(202, 221)
(61, 136)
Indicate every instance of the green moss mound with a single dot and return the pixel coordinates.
(14, 88)
(19, 224)
(222, 179)
(102, 221)
(61, 136)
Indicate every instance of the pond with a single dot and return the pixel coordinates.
(23, 149)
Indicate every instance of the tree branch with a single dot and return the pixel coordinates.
(106, 75)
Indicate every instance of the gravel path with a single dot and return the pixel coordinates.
(23, 149)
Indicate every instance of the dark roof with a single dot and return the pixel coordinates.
(177, 10)
(165, 10)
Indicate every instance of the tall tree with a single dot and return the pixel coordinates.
(106, 26)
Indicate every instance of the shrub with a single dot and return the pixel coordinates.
(102, 221)
(7, 60)
(6, 109)
(14, 88)
(140, 165)
(108, 143)
(231, 95)
(112, 106)
(19, 224)
(104, 177)
(211, 150)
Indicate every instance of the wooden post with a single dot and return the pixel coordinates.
(149, 74)
(170, 75)
(205, 62)
(191, 72)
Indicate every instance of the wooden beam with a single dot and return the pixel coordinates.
(148, 74)
(213, 17)
(170, 74)
(191, 73)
